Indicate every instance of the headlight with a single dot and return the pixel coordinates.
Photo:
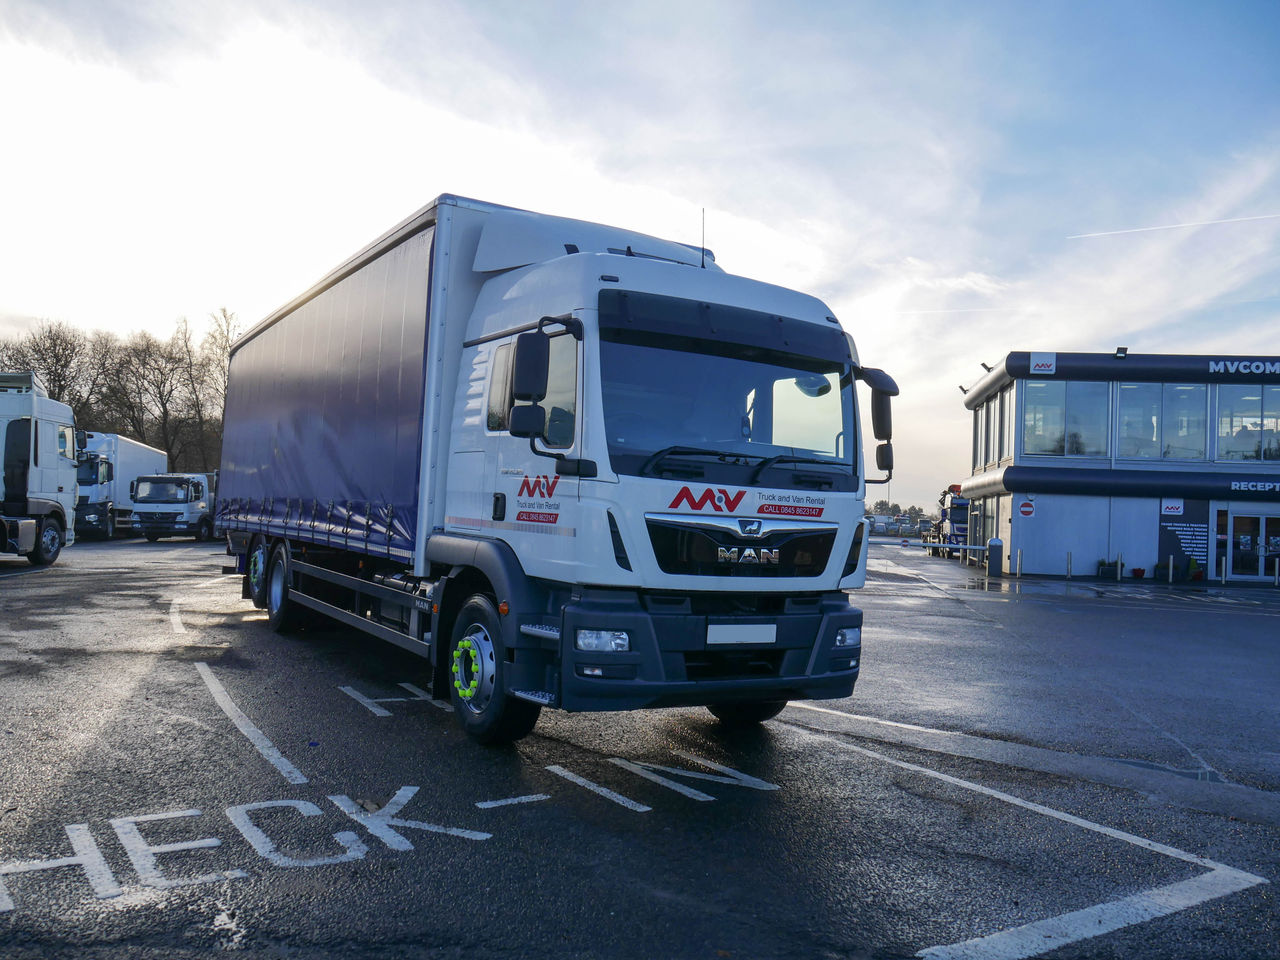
(849, 637)
(607, 641)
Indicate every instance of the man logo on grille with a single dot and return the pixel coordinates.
(751, 528)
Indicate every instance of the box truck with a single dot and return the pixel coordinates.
(40, 444)
(570, 465)
(173, 505)
(109, 466)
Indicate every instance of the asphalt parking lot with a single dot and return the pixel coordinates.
(1025, 769)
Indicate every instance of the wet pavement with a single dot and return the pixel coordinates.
(1029, 768)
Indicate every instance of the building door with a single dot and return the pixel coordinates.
(1253, 547)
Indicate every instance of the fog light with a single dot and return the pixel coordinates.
(92, 518)
(593, 671)
(849, 637)
(606, 641)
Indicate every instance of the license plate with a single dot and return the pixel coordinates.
(725, 633)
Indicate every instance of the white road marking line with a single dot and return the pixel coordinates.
(380, 822)
(143, 854)
(23, 573)
(175, 619)
(860, 716)
(602, 791)
(245, 725)
(220, 579)
(87, 857)
(1042, 936)
(423, 695)
(364, 701)
(530, 798)
(680, 788)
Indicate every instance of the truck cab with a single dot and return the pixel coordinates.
(109, 465)
(40, 445)
(173, 505)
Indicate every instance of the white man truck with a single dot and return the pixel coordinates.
(109, 466)
(571, 465)
(40, 444)
(173, 505)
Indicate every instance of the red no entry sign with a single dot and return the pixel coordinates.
(1027, 508)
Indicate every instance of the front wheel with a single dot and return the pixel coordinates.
(477, 660)
(152, 537)
(48, 543)
(204, 532)
(748, 713)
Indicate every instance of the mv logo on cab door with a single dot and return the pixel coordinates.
(538, 486)
(720, 500)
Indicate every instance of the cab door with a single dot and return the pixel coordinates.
(538, 505)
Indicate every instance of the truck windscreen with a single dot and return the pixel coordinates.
(87, 473)
(715, 405)
(161, 491)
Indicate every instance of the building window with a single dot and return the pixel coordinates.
(977, 440)
(1066, 417)
(1044, 417)
(990, 431)
(1139, 410)
(1271, 423)
(1185, 421)
(1088, 417)
(1010, 421)
(1240, 421)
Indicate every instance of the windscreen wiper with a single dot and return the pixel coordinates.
(678, 451)
(787, 458)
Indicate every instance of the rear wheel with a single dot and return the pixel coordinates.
(477, 660)
(48, 543)
(282, 613)
(748, 713)
(256, 571)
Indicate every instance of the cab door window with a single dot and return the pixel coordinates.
(561, 402)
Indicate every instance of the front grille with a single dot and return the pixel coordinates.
(729, 666)
(157, 517)
(701, 552)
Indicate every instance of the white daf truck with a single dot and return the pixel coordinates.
(173, 505)
(571, 465)
(109, 466)
(40, 444)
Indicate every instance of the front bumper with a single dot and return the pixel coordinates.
(164, 528)
(672, 664)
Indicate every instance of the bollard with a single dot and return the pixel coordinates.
(1119, 565)
(1171, 568)
(1068, 564)
(995, 557)
(1019, 574)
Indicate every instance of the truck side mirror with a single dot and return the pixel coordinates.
(528, 421)
(530, 369)
(81, 439)
(881, 417)
(133, 489)
(884, 457)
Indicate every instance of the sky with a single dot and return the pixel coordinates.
(956, 180)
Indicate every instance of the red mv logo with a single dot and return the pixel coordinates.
(538, 486)
(718, 500)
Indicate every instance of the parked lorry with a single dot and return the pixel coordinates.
(109, 466)
(40, 444)
(952, 528)
(173, 505)
(570, 465)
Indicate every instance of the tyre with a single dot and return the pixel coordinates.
(747, 713)
(204, 531)
(282, 613)
(256, 571)
(48, 543)
(152, 537)
(477, 660)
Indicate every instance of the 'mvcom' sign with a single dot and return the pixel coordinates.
(720, 500)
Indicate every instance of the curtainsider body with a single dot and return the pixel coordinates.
(571, 465)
